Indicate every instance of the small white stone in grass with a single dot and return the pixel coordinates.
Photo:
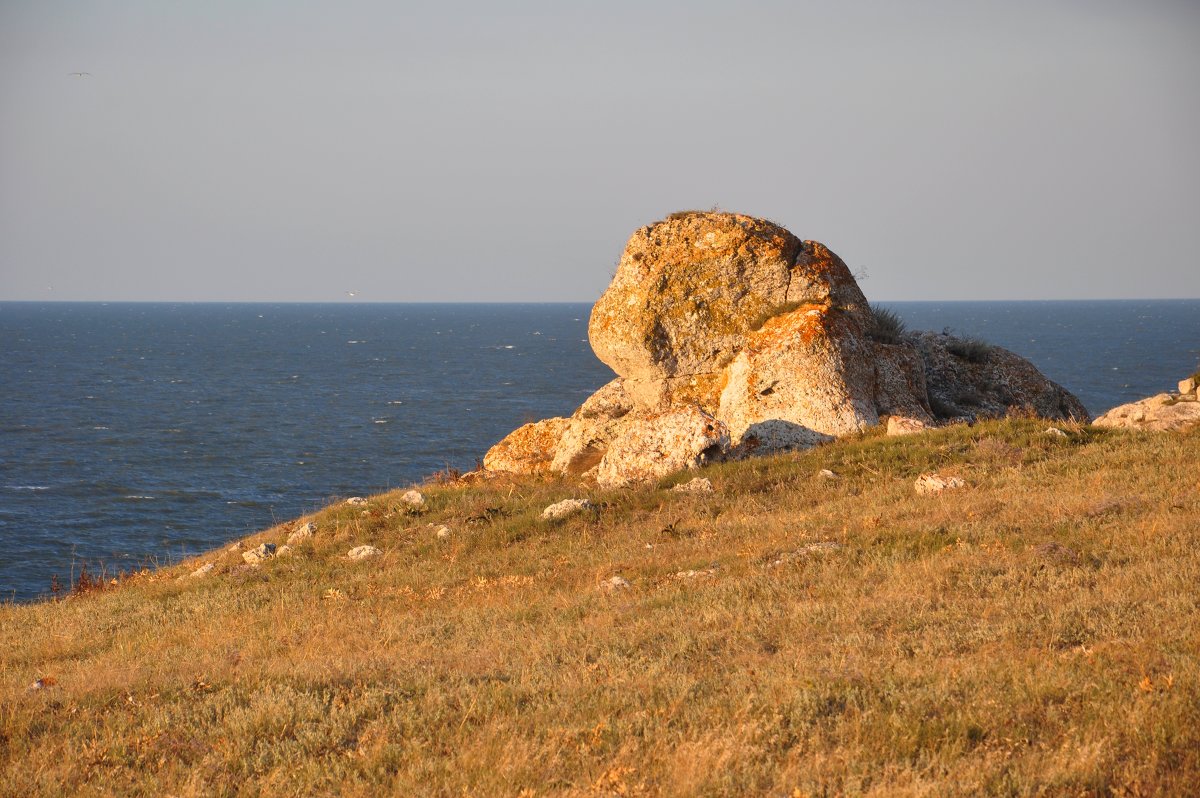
(234, 548)
(363, 552)
(697, 485)
(354, 500)
(691, 574)
(413, 498)
(929, 484)
(825, 473)
(615, 583)
(442, 532)
(565, 508)
(302, 533)
(260, 554)
(283, 551)
(204, 570)
(1055, 432)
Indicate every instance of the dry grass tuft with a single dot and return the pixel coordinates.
(1034, 633)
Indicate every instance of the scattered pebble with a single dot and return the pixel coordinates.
(614, 584)
(442, 532)
(1055, 432)
(712, 571)
(302, 533)
(565, 508)
(204, 570)
(820, 547)
(363, 552)
(355, 500)
(930, 484)
(260, 554)
(413, 498)
(697, 485)
(825, 473)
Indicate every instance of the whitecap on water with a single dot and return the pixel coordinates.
(27, 487)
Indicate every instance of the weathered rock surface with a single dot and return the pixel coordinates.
(413, 498)
(687, 291)
(767, 406)
(931, 484)
(1165, 412)
(529, 449)
(969, 380)
(259, 554)
(302, 533)
(662, 444)
(697, 485)
(363, 553)
(591, 429)
(730, 337)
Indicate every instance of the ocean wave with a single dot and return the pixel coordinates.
(27, 487)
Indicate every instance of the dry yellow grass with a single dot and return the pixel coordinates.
(1034, 633)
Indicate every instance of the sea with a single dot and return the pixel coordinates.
(136, 434)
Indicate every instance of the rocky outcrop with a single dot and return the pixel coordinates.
(730, 337)
(970, 379)
(1165, 412)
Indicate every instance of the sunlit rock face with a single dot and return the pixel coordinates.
(731, 337)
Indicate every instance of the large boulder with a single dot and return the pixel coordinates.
(730, 336)
(690, 288)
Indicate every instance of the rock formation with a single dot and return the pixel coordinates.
(1163, 412)
(731, 336)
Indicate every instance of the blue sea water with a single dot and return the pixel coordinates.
(135, 434)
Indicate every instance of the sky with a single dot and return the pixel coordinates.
(260, 150)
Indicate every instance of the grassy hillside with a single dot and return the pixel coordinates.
(1036, 632)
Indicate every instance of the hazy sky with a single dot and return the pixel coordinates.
(505, 151)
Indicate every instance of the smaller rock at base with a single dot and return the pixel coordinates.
(363, 552)
(413, 498)
(930, 484)
(1188, 385)
(355, 500)
(283, 551)
(1055, 432)
(234, 548)
(825, 473)
(614, 584)
(442, 532)
(204, 570)
(565, 508)
(260, 554)
(302, 534)
(902, 425)
(697, 485)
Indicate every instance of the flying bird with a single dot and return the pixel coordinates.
(79, 74)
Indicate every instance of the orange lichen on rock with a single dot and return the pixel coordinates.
(528, 449)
